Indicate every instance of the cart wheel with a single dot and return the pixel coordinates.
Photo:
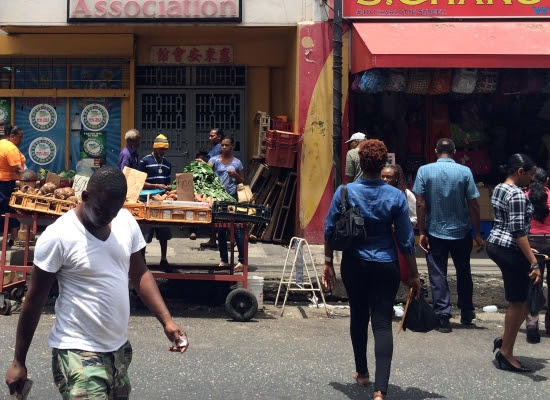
(6, 307)
(241, 305)
(17, 293)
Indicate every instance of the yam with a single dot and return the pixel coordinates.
(59, 194)
(47, 188)
(73, 199)
(68, 192)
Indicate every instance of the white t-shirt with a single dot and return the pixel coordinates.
(93, 308)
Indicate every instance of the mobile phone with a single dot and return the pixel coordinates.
(24, 392)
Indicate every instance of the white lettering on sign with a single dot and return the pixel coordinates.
(79, 184)
(221, 54)
(154, 9)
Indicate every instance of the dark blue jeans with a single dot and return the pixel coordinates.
(437, 260)
(222, 243)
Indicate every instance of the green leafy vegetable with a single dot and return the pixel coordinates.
(206, 182)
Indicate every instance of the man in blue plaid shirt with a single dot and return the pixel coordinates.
(446, 203)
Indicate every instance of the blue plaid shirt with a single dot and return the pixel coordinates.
(383, 207)
(447, 187)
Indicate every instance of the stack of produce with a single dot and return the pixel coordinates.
(207, 186)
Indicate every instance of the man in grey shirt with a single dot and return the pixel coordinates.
(353, 168)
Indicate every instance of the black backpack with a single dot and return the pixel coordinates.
(350, 227)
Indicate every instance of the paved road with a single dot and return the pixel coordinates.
(300, 355)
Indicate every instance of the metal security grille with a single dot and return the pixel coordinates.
(161, 76)
(163, 113)
(220, 76)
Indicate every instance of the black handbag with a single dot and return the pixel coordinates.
(350, 227)
(419, 316)
(535, 298)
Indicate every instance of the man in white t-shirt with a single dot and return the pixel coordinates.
(92, 251)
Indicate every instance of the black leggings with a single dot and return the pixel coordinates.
(371, 288)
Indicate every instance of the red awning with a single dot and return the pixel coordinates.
(450, 44)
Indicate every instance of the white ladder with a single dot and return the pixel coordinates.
(300, 279)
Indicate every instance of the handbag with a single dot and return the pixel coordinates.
(419, 315)
(350, 227)
(244, 193)
(535, 298)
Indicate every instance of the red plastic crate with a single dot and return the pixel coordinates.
(280, 155)
(282, 137)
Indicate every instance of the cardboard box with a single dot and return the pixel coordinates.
(486, 211)
(136, 180)
(184, 186)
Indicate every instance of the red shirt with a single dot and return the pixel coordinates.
(541, 228)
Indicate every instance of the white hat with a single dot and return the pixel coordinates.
(357, 136)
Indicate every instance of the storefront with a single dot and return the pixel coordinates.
(481, 77)
(77, 74)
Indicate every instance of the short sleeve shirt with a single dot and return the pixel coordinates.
(215, 151)
(158, 171)
(353, 164)
(221, 170)
(447, 186)
(10, 156)
(513, 212)
(93, 308)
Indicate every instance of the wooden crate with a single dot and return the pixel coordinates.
(42, 204)
(164, 213)
(136, 209)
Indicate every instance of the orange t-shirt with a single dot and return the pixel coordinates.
(10, 156)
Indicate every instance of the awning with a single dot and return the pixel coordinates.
(450, 44)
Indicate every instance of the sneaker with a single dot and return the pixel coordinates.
(467, 316)
(444, 325)
(533, 335)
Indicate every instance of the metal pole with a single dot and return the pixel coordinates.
(337, 94)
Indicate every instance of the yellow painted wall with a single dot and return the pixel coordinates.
(257, 100)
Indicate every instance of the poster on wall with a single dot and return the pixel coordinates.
(43, 123)
(95, 132)
(5, 114)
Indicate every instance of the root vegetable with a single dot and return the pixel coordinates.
(59, 194)
(47, 188)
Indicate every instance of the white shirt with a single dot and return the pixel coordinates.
(93, 308)
(411, 201)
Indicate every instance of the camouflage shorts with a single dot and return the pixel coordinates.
(86, 375)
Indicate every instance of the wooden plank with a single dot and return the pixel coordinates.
(275, 212)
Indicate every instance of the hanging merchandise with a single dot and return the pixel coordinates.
(534, 81)
(355, 83)
(373, 81)
(397, 80)
(510, 82)
(487, 81)
(464, 80)
(441, 81)
(477, 160)
(419, 81)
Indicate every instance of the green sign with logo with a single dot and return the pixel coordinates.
(94, 145)
(5, 111)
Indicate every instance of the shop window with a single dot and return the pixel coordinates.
(54, 73)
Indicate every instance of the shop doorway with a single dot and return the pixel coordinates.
(187, 114)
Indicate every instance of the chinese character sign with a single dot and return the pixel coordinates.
(219, 54)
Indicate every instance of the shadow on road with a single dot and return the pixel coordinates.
(356, 392)
(536, 364)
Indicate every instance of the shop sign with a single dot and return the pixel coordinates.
(222, 54)
(375, 9)
(94, 117)
(43, 117)
(93, 146)
(42, 150)
(154, 10)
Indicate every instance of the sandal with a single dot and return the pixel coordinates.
(238, 268)
(361, 379)
(193, 236)
(223, 265)
(378, 396)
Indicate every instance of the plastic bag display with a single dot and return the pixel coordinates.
(397, 80)
(487, 81)
(373, 81)
(464, 80)
(419, 81)
(441, 81)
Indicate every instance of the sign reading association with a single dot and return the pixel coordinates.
(154, 10)
(375, 9)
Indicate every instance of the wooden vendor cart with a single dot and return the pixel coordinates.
(241, 304)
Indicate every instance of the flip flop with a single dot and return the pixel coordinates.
(193, 236)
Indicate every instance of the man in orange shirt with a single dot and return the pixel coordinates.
(12, 163)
